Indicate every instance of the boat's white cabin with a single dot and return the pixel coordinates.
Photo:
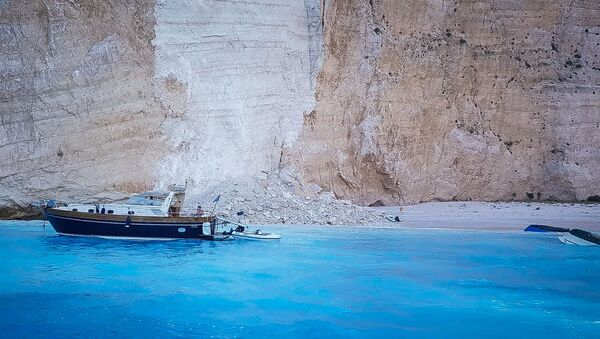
(144, 204)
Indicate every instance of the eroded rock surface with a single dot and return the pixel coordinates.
(79, 117)
(487, 100)
(246, 67)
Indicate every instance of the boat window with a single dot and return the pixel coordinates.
(110, 211)
(145, 200)
(74, 210)
(91, 210)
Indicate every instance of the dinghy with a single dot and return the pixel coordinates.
(242, 232)
(580, 237)
(544, 228)
(256, 235)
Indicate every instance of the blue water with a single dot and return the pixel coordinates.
(315, 282)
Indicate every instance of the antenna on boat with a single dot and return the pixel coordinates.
(216, 201)
(44, 224)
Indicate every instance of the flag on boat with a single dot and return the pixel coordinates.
(217, 198)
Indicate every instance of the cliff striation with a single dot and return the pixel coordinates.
(456, 100)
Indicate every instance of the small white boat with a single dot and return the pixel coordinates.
(580, 237)
(241, 231)
(256, 235)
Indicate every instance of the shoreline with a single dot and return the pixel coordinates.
(468, 216)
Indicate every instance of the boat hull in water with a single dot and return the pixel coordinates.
(545, 228)
(256, 236)
(73, 223)
(580, 237)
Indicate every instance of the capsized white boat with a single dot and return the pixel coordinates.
(242, 231)
(580, 237)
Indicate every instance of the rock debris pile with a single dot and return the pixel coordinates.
(281, 199)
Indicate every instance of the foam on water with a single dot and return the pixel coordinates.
(315, 282)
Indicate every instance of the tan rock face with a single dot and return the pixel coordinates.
(456, 100)
(79, 117)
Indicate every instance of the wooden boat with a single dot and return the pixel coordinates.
(150, 215)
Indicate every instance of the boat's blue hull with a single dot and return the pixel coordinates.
(78, 224)
(545, 229)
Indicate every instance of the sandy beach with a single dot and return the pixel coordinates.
(495, 216)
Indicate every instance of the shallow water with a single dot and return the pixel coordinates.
(315, 282)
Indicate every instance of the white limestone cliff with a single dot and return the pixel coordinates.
(246, 70)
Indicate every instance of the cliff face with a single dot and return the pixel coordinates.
(456, 100)
(246, 70)
(372, 99)
(102, 98)
(79, 118)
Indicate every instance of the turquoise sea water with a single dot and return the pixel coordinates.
(315, 282)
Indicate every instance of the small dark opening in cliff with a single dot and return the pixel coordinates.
(530, 195)
(594, 198)
(377, 30)
(377, 203)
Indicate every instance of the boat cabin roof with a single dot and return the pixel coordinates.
(154, 194)
(148, 198)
